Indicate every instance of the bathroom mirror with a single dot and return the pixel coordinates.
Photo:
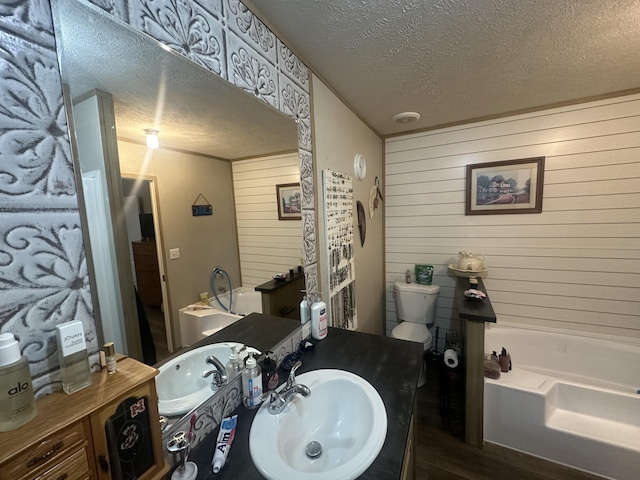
(132, 81)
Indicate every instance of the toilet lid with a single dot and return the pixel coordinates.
(414, 332)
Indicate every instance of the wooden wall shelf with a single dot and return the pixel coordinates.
(473, 314)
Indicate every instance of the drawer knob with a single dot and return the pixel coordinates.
(62, 477)
(36, 460)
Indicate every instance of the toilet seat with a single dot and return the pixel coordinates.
(414, 332)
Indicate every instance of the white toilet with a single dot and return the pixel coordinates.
(416, 308)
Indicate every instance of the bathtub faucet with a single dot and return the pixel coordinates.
(217, 272)
(219, 374)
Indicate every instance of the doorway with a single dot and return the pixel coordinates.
(146, 257)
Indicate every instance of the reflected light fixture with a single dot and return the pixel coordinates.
(406, 117)
(152, 138)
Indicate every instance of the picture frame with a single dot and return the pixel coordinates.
(505, 187)
(289, 198)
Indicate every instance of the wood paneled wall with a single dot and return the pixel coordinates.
(267, 245)
(574, 266)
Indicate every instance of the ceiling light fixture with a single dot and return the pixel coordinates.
(152, 138)
(406, 117)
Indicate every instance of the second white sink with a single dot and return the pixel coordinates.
(180, 384)
(344, 414)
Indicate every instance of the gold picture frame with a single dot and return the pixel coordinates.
(505, 187)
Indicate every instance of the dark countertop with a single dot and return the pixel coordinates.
(273, 285)
(474, 310)
(272, 330)
(390, 365)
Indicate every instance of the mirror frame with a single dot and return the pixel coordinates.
(293, 100)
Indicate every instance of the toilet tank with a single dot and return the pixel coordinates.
(415, 302)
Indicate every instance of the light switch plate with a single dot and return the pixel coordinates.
(174, 253)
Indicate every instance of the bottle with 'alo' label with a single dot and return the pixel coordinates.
(17, 401)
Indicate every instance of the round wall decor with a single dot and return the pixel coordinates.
(359, 166)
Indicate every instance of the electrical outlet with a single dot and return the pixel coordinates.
(174, 254)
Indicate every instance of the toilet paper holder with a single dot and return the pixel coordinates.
(450, 358)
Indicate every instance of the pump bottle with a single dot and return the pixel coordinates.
(251, 383)
(234, 365)
(17, 400)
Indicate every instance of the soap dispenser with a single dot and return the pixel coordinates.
(16, 392)
(251, 383)
(234, 365)
(504, 360)
(269, 372)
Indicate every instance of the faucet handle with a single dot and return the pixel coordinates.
(291, 381)
(272, 395)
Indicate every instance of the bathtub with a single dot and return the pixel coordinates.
(570, 399)
(198, 321)
(245, 301)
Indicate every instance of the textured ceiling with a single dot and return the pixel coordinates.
(193, 109)
(456, 60)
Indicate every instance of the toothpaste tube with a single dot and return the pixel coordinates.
(223, 444)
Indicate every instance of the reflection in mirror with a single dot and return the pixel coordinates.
(120, 83)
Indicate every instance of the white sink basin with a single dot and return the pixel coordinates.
(180, 384)
(344, 413)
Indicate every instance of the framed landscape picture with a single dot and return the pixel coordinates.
(510, 186)
(289, 201)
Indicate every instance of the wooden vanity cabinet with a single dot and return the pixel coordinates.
(69, 438)
(282, 298)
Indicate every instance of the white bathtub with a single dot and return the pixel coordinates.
(245, 301)
(198, 321)
(570, 399)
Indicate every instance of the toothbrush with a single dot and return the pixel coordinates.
(194, 417)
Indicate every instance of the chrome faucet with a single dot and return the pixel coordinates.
(278, 401)
(219, 373)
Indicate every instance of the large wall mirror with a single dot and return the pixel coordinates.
(119, 82)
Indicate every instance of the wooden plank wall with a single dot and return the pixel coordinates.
(574, 266)
(267, 245)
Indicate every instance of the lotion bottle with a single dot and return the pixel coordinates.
(18, 405)
(251, 383)
(319, 320)
(73, 356)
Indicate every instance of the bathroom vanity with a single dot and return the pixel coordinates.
(283, 297)
(391, 366)
(84, 435)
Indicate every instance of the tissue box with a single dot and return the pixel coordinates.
(424, 274)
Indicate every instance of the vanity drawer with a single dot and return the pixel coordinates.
(76, 467)
(37, 458)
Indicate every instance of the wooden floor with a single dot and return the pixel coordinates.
(158, 332)
(442, 454)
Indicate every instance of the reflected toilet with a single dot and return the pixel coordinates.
(416, 310)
